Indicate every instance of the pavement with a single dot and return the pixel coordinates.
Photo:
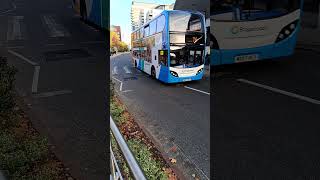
(171, 115)
(266, 117)
(61, 76)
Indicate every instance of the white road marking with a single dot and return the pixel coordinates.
(197, 90)
(35, 80)
(126, 91)
(126, 70)
(121, 87)
(54, 29)
(14, 28)
(297, 96)
(23, 58)
(53, 93)
(115, 70)
(34, 86)
(119, 82)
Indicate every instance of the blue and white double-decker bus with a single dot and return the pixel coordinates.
(250, 30)
(171, 46)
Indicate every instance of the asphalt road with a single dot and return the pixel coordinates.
(62, 74)
(266, 118)
(172, 115)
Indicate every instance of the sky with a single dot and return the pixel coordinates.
(120, 15)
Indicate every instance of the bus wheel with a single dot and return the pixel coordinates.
(135, 63)
(153, 73)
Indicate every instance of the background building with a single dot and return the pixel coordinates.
(194, 5)
(143, 12)
(157, 10)
(117, 30)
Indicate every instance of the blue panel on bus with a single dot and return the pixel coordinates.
(280, 49)
(141, 65)
(163, 75)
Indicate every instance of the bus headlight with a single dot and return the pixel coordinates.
(292, 26)
(199, 71)
(174, 74)
(287, 31)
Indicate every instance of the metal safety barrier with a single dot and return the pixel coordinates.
(2, 177)
(128, 156)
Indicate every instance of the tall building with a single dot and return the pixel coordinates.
(117, 30)
(142, 12)
(157, 10)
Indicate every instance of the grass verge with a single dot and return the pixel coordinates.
(147, 155)
(24, 154)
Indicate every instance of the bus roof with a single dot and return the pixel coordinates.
(163, 12)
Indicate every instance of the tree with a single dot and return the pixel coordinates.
(114, 39)
(123, 47)
(116, 44)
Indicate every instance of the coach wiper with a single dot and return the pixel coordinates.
(196, 40)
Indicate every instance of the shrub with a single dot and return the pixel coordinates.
(7, 78)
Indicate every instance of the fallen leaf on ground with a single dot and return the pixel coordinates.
(173, 149)
(172, 160)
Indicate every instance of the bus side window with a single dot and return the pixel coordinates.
(146, 31)
(153, 27)
(161, 23)
(141, 33)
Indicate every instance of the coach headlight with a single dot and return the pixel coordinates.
(174, 74)
(287, 31)
(199, 71)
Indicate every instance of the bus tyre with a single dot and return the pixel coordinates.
(153, 73)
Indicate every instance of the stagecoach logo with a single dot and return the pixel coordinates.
(237, 29)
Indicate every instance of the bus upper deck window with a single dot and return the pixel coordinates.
(160, 23)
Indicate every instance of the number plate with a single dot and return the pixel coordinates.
(185, 80)
(246, 58)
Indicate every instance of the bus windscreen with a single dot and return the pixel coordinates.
(180, 21)
(187, 39)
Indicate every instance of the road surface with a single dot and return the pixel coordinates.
(266, 118)
(172, 115)
(62, 77)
